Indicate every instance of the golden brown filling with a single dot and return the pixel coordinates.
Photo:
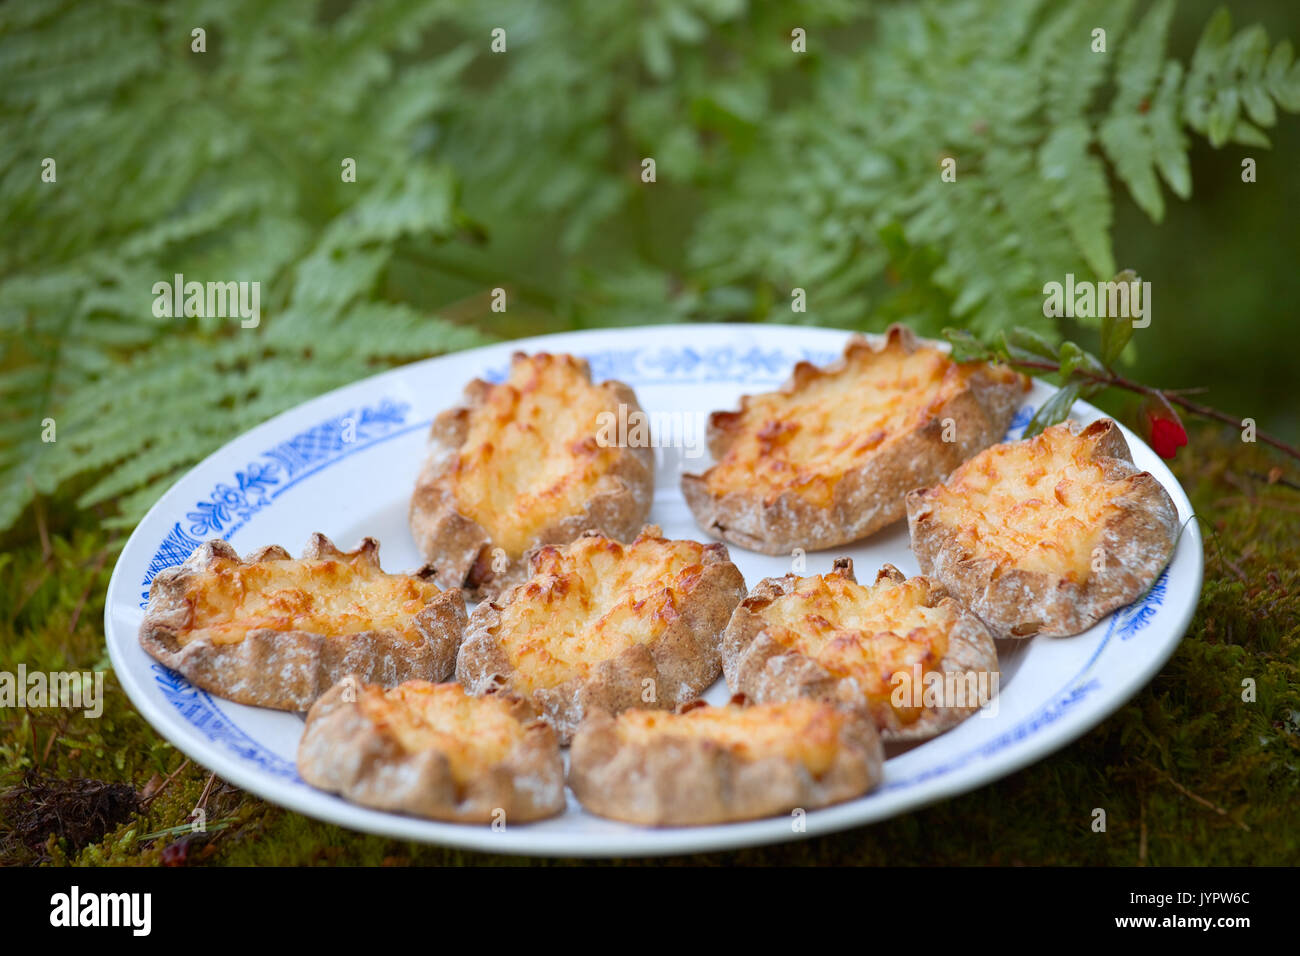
(805, 442)
(592, 600)
(867, 633)
(1038, 505)
(331, 597)
(475, 733)
(531, 455)
(804, 731)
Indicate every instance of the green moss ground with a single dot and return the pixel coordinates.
(1187, 772)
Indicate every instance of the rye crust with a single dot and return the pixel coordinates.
(685, 781)
(288, 670)
(765, 670)
(460, 550)
(343, 752)
(866, 498)
(1137, 543)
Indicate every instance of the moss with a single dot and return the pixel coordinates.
(1188, 772)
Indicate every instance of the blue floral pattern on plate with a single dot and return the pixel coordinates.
(230, 505)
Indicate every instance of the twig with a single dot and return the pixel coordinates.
(1234, 567)
(1196, 408)
(1142, 829)
(49, 743)
(1274, 477)
(181, 828)
(207, 792)
(462, 310)
(47, 552)
(148, 801)
(1192, 796)
(28, 590)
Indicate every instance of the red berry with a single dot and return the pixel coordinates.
(1167, 437)
(1163, 428)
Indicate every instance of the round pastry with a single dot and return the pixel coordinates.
(277, 632)
(602, 624)
(534, 460)
(433, 751)
(1046, 535)
(902, 649)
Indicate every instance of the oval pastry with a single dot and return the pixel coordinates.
(606, 625)
(274, 632)
(528, 462)
(718, 764)
(433, 751)
(826, 459)
(902, 649)
(1046, 535)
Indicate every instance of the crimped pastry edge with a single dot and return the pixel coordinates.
(764, 670)
(288, 670)
(866, 498)
(1137, 544)
(683, 661)
(343, 752)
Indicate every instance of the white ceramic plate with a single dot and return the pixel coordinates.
(345, 463)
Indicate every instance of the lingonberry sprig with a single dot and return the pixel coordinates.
(1081, 375)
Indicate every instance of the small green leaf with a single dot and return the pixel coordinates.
(1248, 135)
(1029, 344)
(1055, 410)
(1222, 119)
(656, 52)
(1073, 359)
(1259, 105)
(1082, 196)
(1279, 62)
(1116, 330)
(1016, 355)
(1216, 34)
(1115, 334)
(965, 347)
(1167, 137)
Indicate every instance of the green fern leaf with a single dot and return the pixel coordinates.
(1082, 196)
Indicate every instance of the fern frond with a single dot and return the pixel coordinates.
(1064, 57)
(776, 170)
(1234, 75)
(1126, 133)
(1082, 196)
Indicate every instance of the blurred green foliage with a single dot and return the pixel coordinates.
(775, 170)
(1223, 266)
(523, 169)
